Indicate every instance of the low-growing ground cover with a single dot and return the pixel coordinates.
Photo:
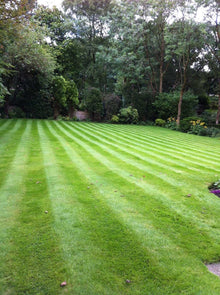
(129, 211)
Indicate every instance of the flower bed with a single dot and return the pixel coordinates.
(214, 188)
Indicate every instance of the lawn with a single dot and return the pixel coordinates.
(110, 209)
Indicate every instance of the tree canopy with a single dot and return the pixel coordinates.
(134, 50)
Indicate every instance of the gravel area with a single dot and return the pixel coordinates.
(214, 268)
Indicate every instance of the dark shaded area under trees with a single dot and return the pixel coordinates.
(105, 56)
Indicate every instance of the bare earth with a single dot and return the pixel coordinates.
(214, 268)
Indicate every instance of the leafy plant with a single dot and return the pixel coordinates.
(93, 102)
(112, 104)
(71, 97)
(214, 185)
(186, 124)
(59, 94)
(128, 115)
(16, 112)
(115, 119)
(171, 123)
(214, 188)
(166, 104)
(160, 122)
(198, 127)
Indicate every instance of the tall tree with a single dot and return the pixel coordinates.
(89, 28)
(212, 42)
(186, 41)
(58, 94)
(71, 97)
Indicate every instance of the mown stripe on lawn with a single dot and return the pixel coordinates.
(35, 265)
(154, 157)
(142, 151)
(91, 235)
(177, 143)
(10, 195)
(141, 226)
(151, 145)
(153, 176)
(5, 124)
(152, 190)
(8, 145)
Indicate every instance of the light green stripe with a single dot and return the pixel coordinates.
(11, 193)
(151, 191)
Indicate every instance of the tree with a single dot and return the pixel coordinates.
(112, 105)
(71, 97)
(12, 14)
(94, 104)
(55, 22)
(88, 28)
(15, 10)
(212, 42)
(32, 65)
(186, 42)
(58, 94)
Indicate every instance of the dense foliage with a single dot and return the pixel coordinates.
(112, 55)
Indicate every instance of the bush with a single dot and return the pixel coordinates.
(171, 123)
(114, 119)
(128, 115)
(186, 124)
(209, 116)
(16, 112)
(112, 105)
(166, 104)
(214, 185)
(93, 101)
(160, 122)
(214, 188)
(198, 127)
(195, 125)
(213, 132)
(39, 106)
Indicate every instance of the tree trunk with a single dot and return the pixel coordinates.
(71, 112)
(180, 106)
(185, 64)
(55, 111)
(6, 107)
(162, 53)
(218, 112)
(161, 79)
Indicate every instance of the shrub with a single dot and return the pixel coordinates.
(185, 124)
(166, 104)
(214, 188)
(112, 105)
(213, 132)
(160, 122)
(93, 101)
(16, 112)
(214, 185)
(209, 116)
(71, 97)
(171, 123)
(198, 127)
(59, 94)
(115, 119)
(128, 115)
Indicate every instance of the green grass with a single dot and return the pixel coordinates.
(117, 205)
